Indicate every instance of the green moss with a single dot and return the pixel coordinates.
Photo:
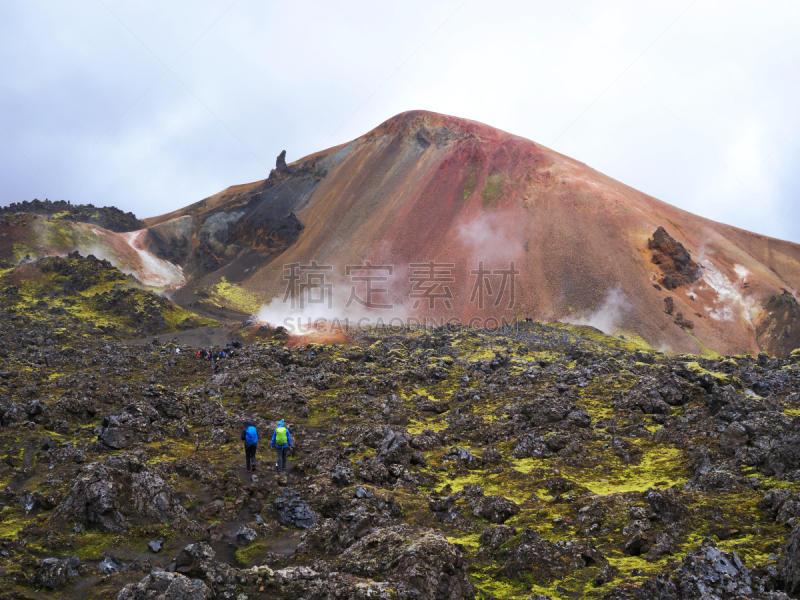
(492, 190)
(434, 424)
(248, 553)
(9, 528)
(469, 541)
(502, 587)
(469, 184)
(233, 296)
(722, 378)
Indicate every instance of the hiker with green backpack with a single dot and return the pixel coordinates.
(281, 441)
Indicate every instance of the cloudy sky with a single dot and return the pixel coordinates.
(151, 105)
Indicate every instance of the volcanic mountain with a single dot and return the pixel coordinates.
(439, 217)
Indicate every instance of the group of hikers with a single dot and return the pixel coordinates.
(281, 441)
(212, 356)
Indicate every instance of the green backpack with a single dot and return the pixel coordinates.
(280, 436)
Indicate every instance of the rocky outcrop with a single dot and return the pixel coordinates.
(55, 572)
(418, 557)
(291, 510)
(677, 267)
(107, 217)
(789, 564)
(705, 573)
(162, 585)
(545, 561)
(108, 495)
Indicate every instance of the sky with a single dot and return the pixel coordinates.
(150, 106)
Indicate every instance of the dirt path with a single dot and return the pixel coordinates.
(196, 338)
(267, 478)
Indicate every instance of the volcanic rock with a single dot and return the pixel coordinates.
(291, 510)
(55, 572)
(420, 557)
(162, 585)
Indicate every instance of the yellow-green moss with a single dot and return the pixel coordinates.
(469, 184)
(233, 296)
(493, 190)
(246, 554)
(722, 378)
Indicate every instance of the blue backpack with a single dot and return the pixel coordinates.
(251, 436)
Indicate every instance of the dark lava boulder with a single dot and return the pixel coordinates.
(491, 456)
(245, 535)
(133, 425)
(789, 564)
(343, 476)
(106, 495)
(782, 504)
(462, 456)
(665, 504)
(291, 510)
(92, 502)
(495, 509)
(394, 449)
(497, 535)
(332, 536)
(55, 572)
(421, 558)
(195, 559)
(545, 560)
(373, 471)
(707, 573)
(163, 586)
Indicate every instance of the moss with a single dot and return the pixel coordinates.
(469, 184)
(9, 528)
(722, 378)
(233, 296)
(492, 190)
(502, 587)
(248, 553)
(469, 541)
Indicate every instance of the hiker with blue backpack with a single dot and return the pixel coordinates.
(250, 437)
(281, 441)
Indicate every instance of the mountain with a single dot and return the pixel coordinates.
(571, 243)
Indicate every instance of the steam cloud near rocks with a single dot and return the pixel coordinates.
(609, 316)
(311, 316)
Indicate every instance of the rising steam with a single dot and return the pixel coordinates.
(609, 317)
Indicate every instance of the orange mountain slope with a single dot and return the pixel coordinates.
(465, 214)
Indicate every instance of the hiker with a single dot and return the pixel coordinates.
(222, 353)
(250, 438)
(281, 441)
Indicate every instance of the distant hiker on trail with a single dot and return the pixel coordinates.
(282, 441)
(250, 438)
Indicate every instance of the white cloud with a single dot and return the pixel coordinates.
(708, 96)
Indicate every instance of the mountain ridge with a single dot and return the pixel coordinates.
(424, 187)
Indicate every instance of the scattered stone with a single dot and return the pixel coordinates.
(55, 572)
(291, 510)
(245, 535)
(496, 509)
(109, 565)
(361, 493)
(162, 585)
